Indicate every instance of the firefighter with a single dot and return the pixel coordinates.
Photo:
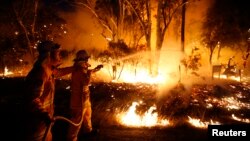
(80, 104)
(40, 91)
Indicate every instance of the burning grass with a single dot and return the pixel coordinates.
(120, 106)
(147, 119)
(136, 105)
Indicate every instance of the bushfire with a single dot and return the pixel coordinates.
(130, 117)
(148, 119)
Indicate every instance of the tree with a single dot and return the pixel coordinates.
(227, 23)
(139, 15)
(116, 56)
(116, 18)
(166, 10)
(183, 21)
(25, 23)
(158, 14)
(26, 13)
(123, 22)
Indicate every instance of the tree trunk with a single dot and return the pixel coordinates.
(148, 34)
(211, 54)
(219, 50)
(183, 19)
(26, 32)
(33, 27)
(153, 36)
(27, 38)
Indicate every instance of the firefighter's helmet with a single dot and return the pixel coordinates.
(82, 55)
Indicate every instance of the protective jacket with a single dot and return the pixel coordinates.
(80, 103)
(79, 86)
(40, 90)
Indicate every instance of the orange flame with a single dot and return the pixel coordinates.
(6, 72)
(239, 119)
(201, 124)
(149, 119)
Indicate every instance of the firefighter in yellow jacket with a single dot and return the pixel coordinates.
(80, 103)
(40, 90)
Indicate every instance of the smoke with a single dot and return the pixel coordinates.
(83, 32)
(171, 54)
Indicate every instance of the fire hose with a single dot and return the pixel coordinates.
(60, 118)
(68, 120)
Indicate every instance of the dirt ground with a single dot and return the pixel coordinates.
(115, 133)
(110, 98)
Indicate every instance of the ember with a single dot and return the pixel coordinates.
(227, 102)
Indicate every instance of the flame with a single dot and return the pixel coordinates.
(200, 124)
(222, 76)
(6, 72)
(148, 119)
(239, 119)
(143, 76)
(230, 103)
(17, 72)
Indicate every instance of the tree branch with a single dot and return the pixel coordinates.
(95, 14)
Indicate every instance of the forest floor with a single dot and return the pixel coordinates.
(226, 102)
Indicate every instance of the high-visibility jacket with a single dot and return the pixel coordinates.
(39, 98)
(80, 81)
(40, 87)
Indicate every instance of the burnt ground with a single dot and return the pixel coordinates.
(108, 99)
